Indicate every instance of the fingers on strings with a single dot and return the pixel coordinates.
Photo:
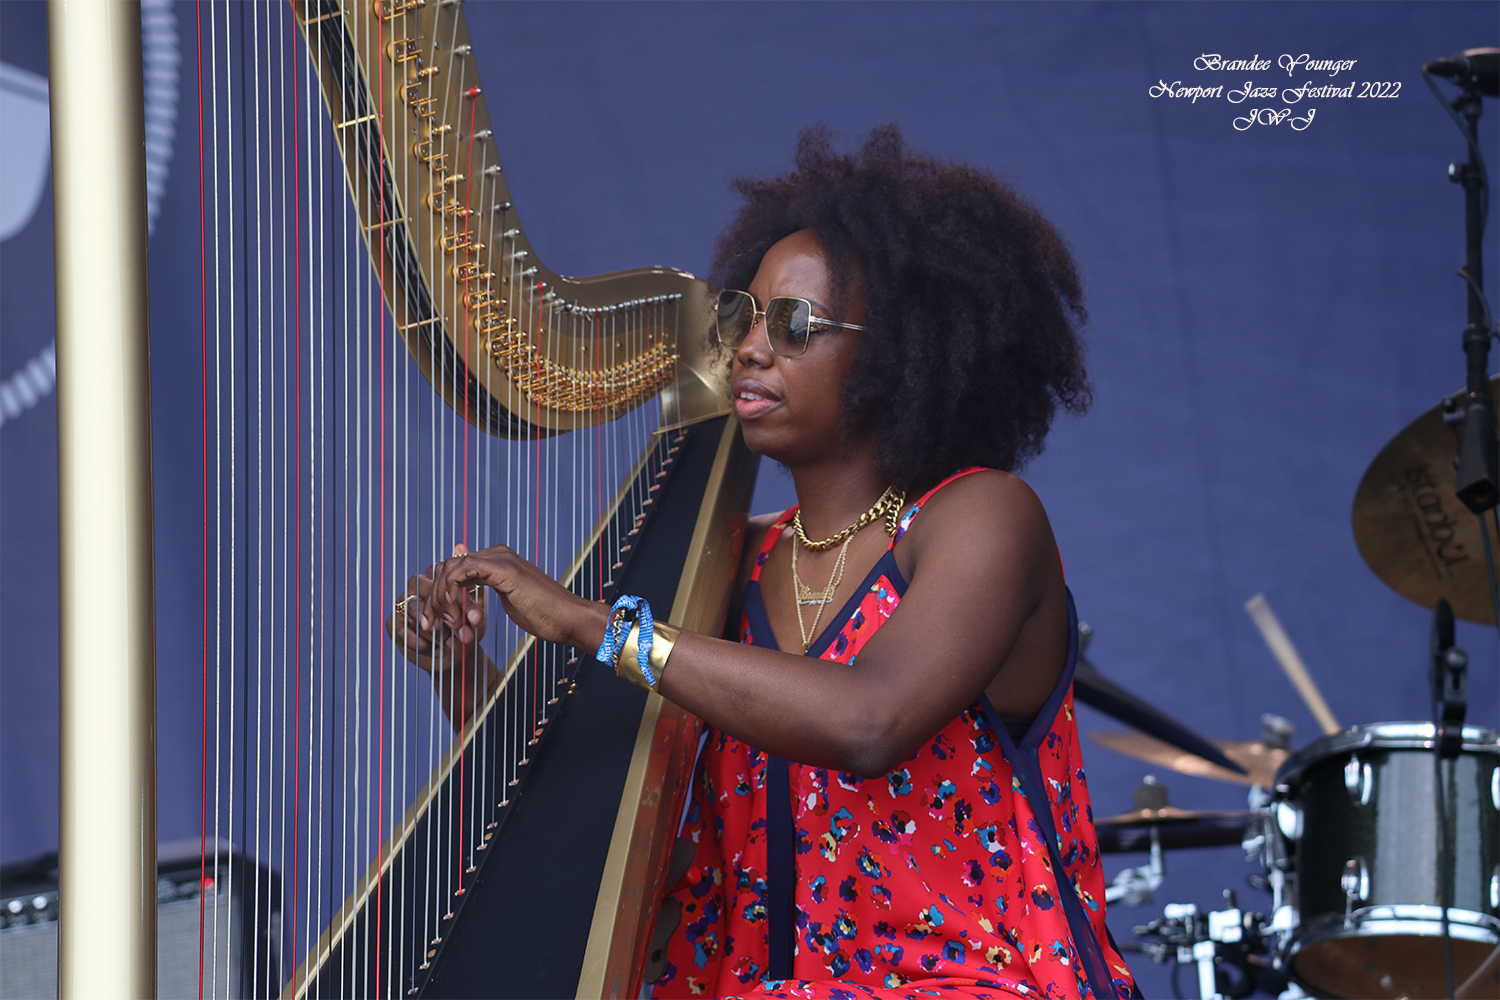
(417, 626)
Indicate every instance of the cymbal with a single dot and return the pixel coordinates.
(1259, 760)
(1168, 814)
(1096, 690)
(1411, 528)
(1217, 830)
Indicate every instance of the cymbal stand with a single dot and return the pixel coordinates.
(1135, 886)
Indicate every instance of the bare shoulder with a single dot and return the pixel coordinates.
(985, 513)
(991, 496)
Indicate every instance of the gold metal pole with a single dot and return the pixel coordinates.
(107, 933)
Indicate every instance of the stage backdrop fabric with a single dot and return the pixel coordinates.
(1268, 306)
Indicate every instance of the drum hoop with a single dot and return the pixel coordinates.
(1414, 919)
(1380, 735)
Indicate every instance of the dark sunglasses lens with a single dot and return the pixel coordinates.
(787, 325)
(734, 318)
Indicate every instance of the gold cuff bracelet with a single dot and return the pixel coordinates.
(628, 664)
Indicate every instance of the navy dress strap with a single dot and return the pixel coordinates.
(781, 870)
(781, 850)
(781, 836)
(1024, 759)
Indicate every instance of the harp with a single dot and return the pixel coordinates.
(389, 369)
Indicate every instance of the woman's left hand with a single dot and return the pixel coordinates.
(532, 599)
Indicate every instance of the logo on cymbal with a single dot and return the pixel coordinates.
(1434, 524)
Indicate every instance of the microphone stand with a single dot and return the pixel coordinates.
(1478, 455)
(1478, 485)
(1447, 675)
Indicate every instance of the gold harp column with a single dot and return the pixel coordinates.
(107, 934)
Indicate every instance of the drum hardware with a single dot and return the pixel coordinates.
(1155, 824)
(1134, 886)
(1478, 467)
(1358, 893)
(1408, 521)
(1189, 829)
(1368, 900)
(1447, 675)
(1214, 943)
(1359, 888)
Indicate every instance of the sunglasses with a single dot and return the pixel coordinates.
(789, 322)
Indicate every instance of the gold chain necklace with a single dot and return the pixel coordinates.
(806, 595)
(889, 505)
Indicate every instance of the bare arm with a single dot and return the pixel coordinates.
(983, 568)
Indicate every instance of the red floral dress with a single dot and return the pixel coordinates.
(938, 879)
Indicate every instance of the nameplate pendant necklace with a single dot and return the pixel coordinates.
(888, 506)
(806, 596)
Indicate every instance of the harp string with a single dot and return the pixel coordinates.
(332, 469)
(204, 494)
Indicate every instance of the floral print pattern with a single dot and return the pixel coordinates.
(933, 880)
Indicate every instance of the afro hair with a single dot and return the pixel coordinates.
(971, 342)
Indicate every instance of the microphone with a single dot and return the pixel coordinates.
(1479, 68)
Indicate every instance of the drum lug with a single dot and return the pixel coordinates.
(1289, 820)
(1359, 780)
(1356, 885)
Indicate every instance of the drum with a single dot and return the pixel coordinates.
(1356, 819)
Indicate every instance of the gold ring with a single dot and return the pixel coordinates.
(402, 602)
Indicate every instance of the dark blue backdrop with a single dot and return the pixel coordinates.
(1268, 307)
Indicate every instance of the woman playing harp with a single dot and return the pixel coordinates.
(890, 794)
